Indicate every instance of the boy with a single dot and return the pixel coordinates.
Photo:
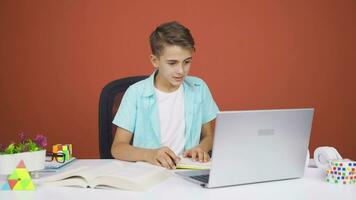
(169, 113)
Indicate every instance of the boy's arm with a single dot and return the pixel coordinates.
(200, 152)
(206, 142)
(123, 150)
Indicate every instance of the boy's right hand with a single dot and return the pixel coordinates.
(164, 157)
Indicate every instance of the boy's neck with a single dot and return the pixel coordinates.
(160, 85)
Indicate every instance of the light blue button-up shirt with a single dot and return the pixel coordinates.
(138, 112)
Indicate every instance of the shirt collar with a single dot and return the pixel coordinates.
(149, 84)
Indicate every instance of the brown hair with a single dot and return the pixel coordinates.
(170, 33)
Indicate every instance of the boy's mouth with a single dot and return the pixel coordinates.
(178, 78)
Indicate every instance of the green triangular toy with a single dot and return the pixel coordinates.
(19, 179)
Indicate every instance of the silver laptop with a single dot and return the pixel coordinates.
(256, 146)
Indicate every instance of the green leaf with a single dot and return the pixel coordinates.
(10, 149)
(19, 148)
(24, 146)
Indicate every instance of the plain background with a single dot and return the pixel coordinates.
(56, 56)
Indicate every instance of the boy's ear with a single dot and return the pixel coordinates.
(154, 61)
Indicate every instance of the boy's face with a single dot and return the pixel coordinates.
(173, 65)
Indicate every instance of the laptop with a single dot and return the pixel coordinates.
(256, 146)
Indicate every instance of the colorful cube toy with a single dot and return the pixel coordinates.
(66, 149)
(341, 172)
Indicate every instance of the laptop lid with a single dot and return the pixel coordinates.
(259, 145)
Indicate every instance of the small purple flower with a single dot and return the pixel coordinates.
(22, 137)
(40, 140)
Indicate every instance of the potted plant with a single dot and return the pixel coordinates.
(32, 152)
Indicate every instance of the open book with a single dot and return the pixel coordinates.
(188, 163)
(135, 176)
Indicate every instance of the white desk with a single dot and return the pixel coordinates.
(311, 186)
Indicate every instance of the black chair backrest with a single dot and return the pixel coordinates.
(110, 99)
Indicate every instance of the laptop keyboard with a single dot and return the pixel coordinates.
(203, 178)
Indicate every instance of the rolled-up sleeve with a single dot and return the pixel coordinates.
(209, 109)
(126, 115)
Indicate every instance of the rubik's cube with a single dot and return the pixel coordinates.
(341, 172)
(66, 149)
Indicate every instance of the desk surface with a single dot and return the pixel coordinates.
(311, 186)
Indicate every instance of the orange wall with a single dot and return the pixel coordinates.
(55, 57)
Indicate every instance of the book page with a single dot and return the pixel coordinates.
(86, 173)
(58, 178)
(97, 171)
(188, 163)
(132, 176)
(74, 181)
(135, 176)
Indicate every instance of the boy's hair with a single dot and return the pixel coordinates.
(170, 33)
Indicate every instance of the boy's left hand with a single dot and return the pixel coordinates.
(197, 154)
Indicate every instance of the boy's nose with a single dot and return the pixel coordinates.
(180, 69)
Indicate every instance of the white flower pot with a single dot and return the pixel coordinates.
(33, 161)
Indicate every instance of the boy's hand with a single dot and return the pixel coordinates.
(197, 154)
(164, 157)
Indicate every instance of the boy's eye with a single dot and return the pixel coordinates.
(171, 63)
(187, 61)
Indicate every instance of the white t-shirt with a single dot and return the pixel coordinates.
(171, 119)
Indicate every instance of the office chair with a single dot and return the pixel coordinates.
(110, 99)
